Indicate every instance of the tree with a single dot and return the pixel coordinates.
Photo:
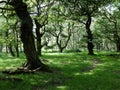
(114, 20)
(62, 34)
(39, 35)
(41, 19)
(83, 11)
(10, 47)
(33, 61)
(108, 25)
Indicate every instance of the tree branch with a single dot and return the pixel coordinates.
(6, 9)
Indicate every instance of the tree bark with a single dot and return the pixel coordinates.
(33, 61)
(16, 40)
(11, 50)
(117, 37)
(90, 45)
(59, 42)
(17, 50)
(117, 41)
(118, 47)
(1, 48)
(61, 49)
(39, 36)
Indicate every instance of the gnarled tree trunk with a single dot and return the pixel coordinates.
(33, 61)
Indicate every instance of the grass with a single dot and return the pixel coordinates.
(72, 71)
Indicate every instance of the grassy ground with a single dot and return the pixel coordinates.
(72, 71)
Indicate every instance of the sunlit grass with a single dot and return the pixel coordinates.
(71, 71)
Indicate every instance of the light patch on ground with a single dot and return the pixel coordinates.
(62, 87)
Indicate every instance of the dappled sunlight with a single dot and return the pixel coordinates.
(70, 72)
(10, 63)
(77, 73)
(90, 73)
(59, 54)
(53, 53)
(62, 88)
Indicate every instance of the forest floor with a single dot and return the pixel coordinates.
(71, 71)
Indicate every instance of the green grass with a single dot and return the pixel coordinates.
(72, 71)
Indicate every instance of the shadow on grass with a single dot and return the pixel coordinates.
(70, 72)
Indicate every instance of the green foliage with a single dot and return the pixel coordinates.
(107, 26)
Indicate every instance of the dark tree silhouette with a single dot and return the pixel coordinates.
(33, 61)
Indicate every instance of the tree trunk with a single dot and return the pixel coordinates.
(59, 43)
(90, 45)
(9, 46)
(118, 44)
(16, 40)
(117, 37)
(1, 48)
(33, 61)
(39, 47)
(118, 47)
(39, 36)
(61, 49)
(17, 49)
(11, 50)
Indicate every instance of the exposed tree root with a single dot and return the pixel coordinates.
(26, 69)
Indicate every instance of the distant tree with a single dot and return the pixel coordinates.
(62, 35)
(83, 11)
(39, 35)
(115, 21)
(1, 42)
(10, 47)
(109, 25)
(9, 29)
(41, 12)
